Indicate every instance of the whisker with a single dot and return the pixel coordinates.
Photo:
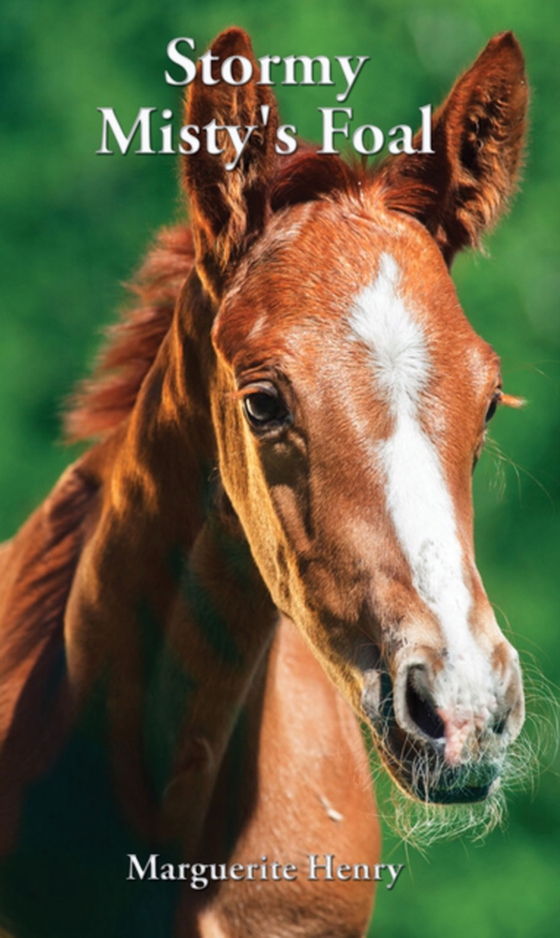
(419, 823)
(495, 450)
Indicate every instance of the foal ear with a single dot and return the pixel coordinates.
(477, 136)
(229, 205)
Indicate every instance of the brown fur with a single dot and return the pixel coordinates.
(38, 568)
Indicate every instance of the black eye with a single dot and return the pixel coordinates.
(492, 409)
(265, 410)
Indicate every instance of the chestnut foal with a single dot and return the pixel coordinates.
(287, 426)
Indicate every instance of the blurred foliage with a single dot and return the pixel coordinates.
(73, 225)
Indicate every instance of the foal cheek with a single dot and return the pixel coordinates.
(286, 477)
(242, 476)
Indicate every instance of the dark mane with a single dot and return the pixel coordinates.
(102, 401)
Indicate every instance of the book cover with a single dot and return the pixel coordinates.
(78, 215)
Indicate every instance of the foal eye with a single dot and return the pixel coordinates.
(265, 410)
(492, 409)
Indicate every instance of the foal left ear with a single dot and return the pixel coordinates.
(462, 188)
(228, 190)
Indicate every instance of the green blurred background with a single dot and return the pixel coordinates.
(73, 226)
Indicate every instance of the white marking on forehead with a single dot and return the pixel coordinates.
(380, 319)
(418, 499)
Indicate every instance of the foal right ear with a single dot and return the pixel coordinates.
(229, 206)
(461, 188)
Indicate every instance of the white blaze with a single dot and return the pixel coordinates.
(418, 498)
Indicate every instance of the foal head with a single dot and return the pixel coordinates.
(350, 400)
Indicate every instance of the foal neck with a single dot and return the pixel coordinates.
(167, 605)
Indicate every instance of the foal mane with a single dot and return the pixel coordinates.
(103, 401)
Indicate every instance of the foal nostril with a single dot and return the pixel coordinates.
(420, 709)
(500, 724)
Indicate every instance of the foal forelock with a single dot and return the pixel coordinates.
(418, 499)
